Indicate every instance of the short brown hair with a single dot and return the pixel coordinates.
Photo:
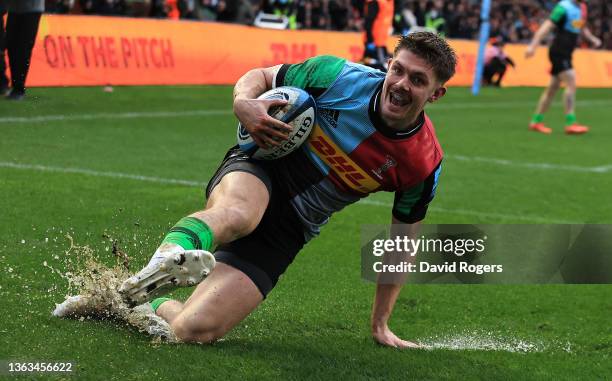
(433, 49)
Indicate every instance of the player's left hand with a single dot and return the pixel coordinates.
(383, 336)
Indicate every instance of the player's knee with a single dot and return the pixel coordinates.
(201, 331)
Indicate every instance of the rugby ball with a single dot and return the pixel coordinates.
(299, 113)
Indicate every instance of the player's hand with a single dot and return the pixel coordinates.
(596, 42)
(530, 51)
(383, 336)
(265, 130)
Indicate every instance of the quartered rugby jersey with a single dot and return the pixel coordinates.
(351, 152)
(569, 18)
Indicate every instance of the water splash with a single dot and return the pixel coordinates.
(483, 341)
(97, 285)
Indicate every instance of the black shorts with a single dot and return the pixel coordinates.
(265, 254)
(560, 62)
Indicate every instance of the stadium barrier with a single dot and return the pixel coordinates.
(90, 50)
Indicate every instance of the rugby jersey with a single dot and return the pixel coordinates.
(569, 18)
(351, 152)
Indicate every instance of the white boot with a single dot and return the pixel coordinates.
(171, 266)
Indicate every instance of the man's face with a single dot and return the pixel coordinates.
(409, 84)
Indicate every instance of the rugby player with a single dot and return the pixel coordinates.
(371, 135)
(568, 20)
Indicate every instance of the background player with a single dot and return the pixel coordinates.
(568, 20)
(496, 62)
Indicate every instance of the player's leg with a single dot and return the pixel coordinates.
(487, 73)
(235, 206)
(548, 94)
(559, 63)
(568, 77)
(247, 270)
(501, 71)
(569, 101)
(537, 121)
(218, 304)
(21, 32)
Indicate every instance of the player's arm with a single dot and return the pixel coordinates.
(594, 40)
(543, 31)
(388, 289)
(409, 208)
(253, 113)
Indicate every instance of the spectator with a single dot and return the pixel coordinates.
(87, 6)
(355, 22)
(515, 20)
(186, 9)
(287, 8)
(434, 17)
(339, 11)
(318, 14)
(235, 11)
(59, 6)
(207, 10)
(172, 9)
(404, 19)
(109, 7)
(158, 9)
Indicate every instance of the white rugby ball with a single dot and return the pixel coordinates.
(299, 113)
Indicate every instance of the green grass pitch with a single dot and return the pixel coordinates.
(130, 163)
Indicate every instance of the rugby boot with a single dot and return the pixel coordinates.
(540, 127)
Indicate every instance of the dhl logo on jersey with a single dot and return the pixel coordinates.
(338, 161)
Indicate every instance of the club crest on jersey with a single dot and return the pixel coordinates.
(390, 163)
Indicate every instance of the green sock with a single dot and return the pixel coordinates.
(570, 119)
(155, 303)
(190, 233)
(537, 118)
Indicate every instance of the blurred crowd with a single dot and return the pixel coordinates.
(512, 20)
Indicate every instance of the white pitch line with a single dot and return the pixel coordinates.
(465, 212)
(120, 115)
(191, 183)
(188, 113)
(91, 172)
(505, 105)
(544, 166)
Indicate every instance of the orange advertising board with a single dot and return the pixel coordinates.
(90, 50)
